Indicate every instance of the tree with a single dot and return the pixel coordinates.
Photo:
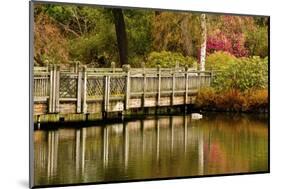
(203, 42)
(178, 32)
(121, 35)
(49, 42)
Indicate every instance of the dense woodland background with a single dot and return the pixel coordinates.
(65, 33)
(236, 46)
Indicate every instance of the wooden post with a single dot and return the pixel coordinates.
(126, 68)
(85, 89)
(51, 89)
(79, 91)
(186, 84)
(54, 89)
(77, 66)
(177, 66)
(57, 93)
(105, 93)
(113, 67)
(211, 79)
(47, 65)
(159, 85)
(108, 93)
(173, 86)
(144, 87)
(199, 77)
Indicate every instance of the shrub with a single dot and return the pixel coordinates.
(257, 99)
(257, 41)
(242, 74)
(49, 41)
(206, 98)
(233, 100)
(233, 44)
(219, 60)
(169, 59)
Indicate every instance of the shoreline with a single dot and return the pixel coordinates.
(55, 121)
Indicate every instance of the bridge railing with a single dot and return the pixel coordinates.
(87, 90)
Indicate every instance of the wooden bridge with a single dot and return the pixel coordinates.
(82, 90)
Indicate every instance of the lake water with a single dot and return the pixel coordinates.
(152, 147)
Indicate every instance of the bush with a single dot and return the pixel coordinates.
(257, 41)
(49, 42)
(242, 74)
(234, 44)
(206, 98)
(233, 100)
(219, 60)
(169, 59)
(91, 48)
(257, 99)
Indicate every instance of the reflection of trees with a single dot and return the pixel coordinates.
(151, 148)
(235, 143)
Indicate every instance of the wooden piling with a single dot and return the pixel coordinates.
(54, 88)
(112, 65)
(186, 85)
(105, 94)
(84, 90)
(144, 88)
(159, 85)
(173, 86)
(126, 68)
(57, 90)
(79, 91)
(51, 89)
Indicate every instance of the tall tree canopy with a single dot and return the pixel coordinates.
(98, 36)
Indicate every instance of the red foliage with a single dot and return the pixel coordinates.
(234, 44)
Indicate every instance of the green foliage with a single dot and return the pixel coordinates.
(257, 41)
(97, 47)
(243, 74)
(177, 32)
(219, 60)
(138, 26)
(77, 20)
(169, 59)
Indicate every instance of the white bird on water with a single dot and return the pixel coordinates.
(196, 116)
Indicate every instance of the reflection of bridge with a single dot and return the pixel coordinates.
(101, 90)
(100, 148)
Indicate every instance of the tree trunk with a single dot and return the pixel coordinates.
(203, 42)
(121, 35)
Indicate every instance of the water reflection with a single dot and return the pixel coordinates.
(155, 147)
